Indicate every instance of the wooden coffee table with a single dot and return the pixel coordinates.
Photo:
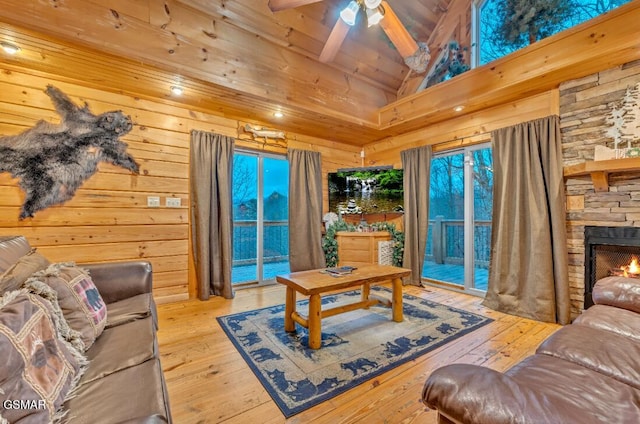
(314, 283)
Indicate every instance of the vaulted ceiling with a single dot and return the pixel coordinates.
(234, 57)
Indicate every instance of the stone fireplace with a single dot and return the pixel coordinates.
(609, 251)
(585, 104)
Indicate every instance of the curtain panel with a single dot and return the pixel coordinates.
(211, 168)
(528, 274)
(305, 210)
(416, 164)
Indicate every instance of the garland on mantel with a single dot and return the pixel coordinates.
(330, 244)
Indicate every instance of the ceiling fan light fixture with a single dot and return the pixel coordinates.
(372, 4)
(348, 14)
(374, 16)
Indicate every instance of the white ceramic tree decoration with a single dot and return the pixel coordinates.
(624, 118)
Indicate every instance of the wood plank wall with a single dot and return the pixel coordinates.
(469, 129)
(108, 219)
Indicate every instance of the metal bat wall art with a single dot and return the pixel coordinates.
(53, 160)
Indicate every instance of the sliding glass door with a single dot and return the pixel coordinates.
(260, 217)
(460, 202)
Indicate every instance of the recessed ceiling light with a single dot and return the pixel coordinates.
(177, 90)
(278, 114)
(9, 48)
(458, 108)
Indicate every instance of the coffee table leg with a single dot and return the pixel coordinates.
(396, 300)
(289, 309)
(315, 331)
(366, 289)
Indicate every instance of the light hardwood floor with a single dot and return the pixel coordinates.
(209, 382)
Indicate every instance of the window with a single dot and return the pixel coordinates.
(492, 39)
(260, 217)
(460, 205)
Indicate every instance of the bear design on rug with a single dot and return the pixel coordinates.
(53, 160)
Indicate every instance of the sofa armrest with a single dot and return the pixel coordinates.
(621, 292)
(473, 394)
(120, 280)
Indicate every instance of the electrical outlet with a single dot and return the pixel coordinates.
(153, 201)
(173, 202)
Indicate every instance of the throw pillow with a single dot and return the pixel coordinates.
(18, 273)
(39, 368)
(79, 299)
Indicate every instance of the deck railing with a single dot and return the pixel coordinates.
(445, 242)
(276, 241)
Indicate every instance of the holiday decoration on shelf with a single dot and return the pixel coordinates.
(624, 121)
(53, 160)
(451, 62)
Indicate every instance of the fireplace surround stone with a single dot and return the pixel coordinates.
(584, 106)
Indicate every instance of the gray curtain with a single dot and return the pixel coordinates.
(211, 219)
(528, 275)
(305, 211)
(416, 164)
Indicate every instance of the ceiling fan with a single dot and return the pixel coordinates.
(416, 55)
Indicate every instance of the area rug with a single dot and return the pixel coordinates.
(356, 346)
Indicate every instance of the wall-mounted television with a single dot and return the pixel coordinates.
(366, 191)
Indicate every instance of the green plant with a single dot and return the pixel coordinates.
(330, 244)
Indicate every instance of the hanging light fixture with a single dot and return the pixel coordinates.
(374, 16)
(372, 4)
(348, 14)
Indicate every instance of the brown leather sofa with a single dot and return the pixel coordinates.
(586, 372)
(123, 382)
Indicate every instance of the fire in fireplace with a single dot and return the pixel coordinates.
(632, 270)
(609, 251)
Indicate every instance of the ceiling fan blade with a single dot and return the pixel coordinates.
(277, 5)
(331, 47)
(397, 32)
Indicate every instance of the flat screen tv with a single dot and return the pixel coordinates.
(366, 190)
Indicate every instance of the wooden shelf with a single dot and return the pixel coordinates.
(600, 170)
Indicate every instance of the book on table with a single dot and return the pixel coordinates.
(342, 270)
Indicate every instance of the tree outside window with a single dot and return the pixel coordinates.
(504, 26)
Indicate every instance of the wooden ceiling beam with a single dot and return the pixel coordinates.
(397, 32)
(277, 5)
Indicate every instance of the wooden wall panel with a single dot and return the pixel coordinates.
(468, 129)
(108, 219)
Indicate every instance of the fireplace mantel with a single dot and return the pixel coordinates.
(600, 170)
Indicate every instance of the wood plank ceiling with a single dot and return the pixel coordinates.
(234, 57)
